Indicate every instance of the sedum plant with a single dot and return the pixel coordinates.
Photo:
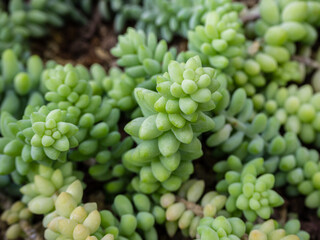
(72, 220)
(141, 55)
(18, 211)
(247, 134)
(21, 20)
(45, 184)
(234, 228)
(31, 18)
(221, 228)
(55, 119)
(251, 191)
(67, 90)
(125, 11)
(270, 230)
(108, 167)
(219, 40)
(297, 172)
(119, 87)
(251, 64)
(138, 215)
(14, 217)
(168, 19)
(309, 184)
(20, 84)
(296, 109)
(121, 11)
(187, 209)
(11, 38)
(240, 130)
(173, 117)
(49, 134)
(85, 106)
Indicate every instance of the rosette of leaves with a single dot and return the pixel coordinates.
(185, 210)
(138, 216)
(271, 230)
(252, 64)
(67, 90)
(297, 171)
(219, 40)
(79, 93)
(45, 184)
(251, 191)
(173, 118)
(141, 55)
(13, 216)
(22, 146)
(296, 109)
(48, 135)
(221, 228)
(96, 118)
(220, 43)
(74, 220)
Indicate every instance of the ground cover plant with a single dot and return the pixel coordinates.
(165, 119)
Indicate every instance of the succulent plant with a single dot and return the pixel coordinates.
(65, 126)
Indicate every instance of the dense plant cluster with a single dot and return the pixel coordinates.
(240, 91)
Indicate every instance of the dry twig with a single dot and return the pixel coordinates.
(32, 232)
(250, 16)
(307, 61)
(254, 47)
(195, 208)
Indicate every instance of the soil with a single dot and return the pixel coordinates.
(79, 44)
(91, 44)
